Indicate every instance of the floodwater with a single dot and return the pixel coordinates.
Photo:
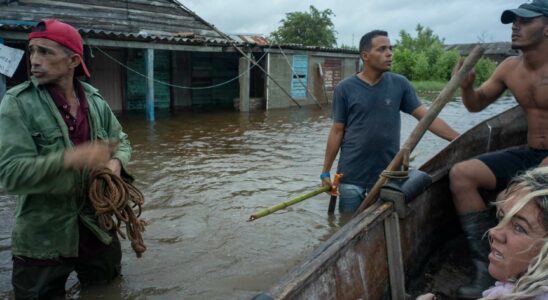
(203, 174)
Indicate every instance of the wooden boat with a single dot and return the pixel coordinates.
(382, 251)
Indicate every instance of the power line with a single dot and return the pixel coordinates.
(174, 85)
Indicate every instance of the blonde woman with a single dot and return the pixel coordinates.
(519, 250)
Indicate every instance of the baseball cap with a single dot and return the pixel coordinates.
(532, 9)
(65, 35)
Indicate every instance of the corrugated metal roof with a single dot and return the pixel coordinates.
(313, 48)
(257, 39)
(159, 18)
(142, 36)
(261, 41)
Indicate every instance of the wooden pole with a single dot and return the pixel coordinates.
(320, 70)
(268, 211)
(423, 125)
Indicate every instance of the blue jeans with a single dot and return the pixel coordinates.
(351, 196)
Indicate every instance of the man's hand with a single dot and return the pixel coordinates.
(428, 296)
(326, 181)
(468, 81)
(89, 155)
(544, 162)
(115, 166)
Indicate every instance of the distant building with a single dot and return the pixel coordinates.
(497, 51)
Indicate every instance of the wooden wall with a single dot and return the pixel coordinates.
(108, 77)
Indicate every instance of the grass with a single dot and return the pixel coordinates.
(431, 88)
(428, 86)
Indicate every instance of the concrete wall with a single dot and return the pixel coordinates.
(280, 70)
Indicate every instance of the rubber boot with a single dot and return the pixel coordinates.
(475, 226)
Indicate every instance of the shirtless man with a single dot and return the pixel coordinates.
(526, 76)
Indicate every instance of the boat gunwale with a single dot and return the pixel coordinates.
(330, 250)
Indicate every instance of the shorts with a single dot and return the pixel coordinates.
(506, 164)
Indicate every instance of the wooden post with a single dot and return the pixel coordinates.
(394, 255)
(2, 79)
(149, 65)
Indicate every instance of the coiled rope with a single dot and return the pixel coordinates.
(395, 174)
(111, 196)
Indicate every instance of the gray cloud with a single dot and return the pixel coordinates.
(458, 21)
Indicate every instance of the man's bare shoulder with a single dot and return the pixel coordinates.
(511, 62)
(506, 70)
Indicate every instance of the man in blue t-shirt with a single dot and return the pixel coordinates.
(366, 121)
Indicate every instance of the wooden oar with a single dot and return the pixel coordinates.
(423, 125)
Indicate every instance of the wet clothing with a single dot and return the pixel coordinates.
(350, 198)
(78, 127)
(96, 263)
(505, 164)
(503, 288)
(371, 116)
(51, 200)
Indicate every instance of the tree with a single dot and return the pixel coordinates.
(423, 57)
(313, 28)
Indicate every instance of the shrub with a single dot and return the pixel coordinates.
(445, 64)
(421, 68)
(484, 69)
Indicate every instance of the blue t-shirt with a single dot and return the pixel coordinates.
(371, 116)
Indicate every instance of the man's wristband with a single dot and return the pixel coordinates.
(323, 175)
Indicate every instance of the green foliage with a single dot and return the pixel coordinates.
(404, 59)
(425, 39)
(484, 69)
(423, 58)
(445, 64)
(420, 69)
(313, 28)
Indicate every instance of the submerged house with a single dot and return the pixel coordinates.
(159, 55)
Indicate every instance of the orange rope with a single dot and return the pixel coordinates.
(112, 196)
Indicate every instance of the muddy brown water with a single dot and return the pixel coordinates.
(202, 175)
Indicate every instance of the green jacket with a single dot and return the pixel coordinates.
(50, 198)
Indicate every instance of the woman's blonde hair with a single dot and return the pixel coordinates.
(534, 282)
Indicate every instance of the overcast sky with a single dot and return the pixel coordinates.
(458, 21)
